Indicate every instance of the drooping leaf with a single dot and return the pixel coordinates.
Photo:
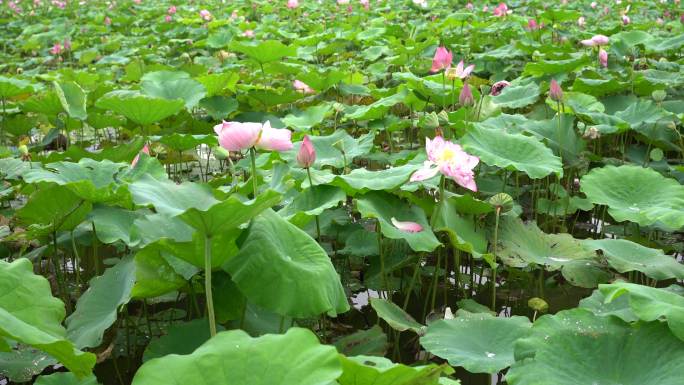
(624, 255)
(395, 316)
(141, 109)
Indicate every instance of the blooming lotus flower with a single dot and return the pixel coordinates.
(171, 10)
(205, 15)
(459, 72)
(581, 21)
(532, 24)
(501, 10)
(603, 57)
(145, 150)
(498, 87)
(441, 60)
(596, 40)
(248, 33)
(236, 136)
(470, 6)
(406, 226)
(292, 4)
(449, 159)
(302, 87)
(555, 91)
(56, 49)
(625, 20)
(307, 153)
(168, 18)
(465, 98)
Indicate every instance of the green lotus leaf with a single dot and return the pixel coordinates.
(31, 315)
(233, 357)
(141, 109)
(180, 339)
(462, 230)
(361, 180)
(637, 194)
(376, 110)
(552, 67)
(370, 370)
(328, 149)
(309, 118)
(642, 112)
(517, 96)
(65, 379)
(282, 269)
(650, 303)
(172, 86)
(312, 202)
(514, 152)
(618, 307)
(263, 51)
(154, 275)
(219, 107)
(170, 198)
(395, 316)
(624, 256)
(480, 343)
(113, 224)
(363, 342)
(51, 209)
(23, 362)
(10, 87)
(577, 347)
(215, 83)
(73, 99)
(98, 307)
(384, 206)
(184, 142)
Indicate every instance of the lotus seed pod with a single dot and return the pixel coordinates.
(538, 304)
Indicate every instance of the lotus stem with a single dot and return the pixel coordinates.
(318, 224)
(496, 240)
(252, 155)
(207, 285)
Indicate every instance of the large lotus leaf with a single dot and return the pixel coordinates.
(65, 379)
(384, 206)
(513, 152)
(664, 44)
(183, 142)
(328, 155)
(97, 308)
(462, 229)
(598, 86)
(523, 244)
(47, 103)
(73, 99)
(284, 270)
(650, 303)
(153, 227)
(113, 224)
(361, 180)
(370, 370)
(219, 107)
(311, 202)
(577, 102)
(53, 208)
(376, 110)
(170, 198)
(395, 316)
(480, 343)
(31, 315)
(363, 342)
(141, 109)
(263, 51)
(23, 362)
(637, 194)
(89, 179)
(309, 118)
(516, 96)
(619, 307)
(10, 87)
(642, 112)
(552, 67)
(181, 338)
(173, 85)
(215, 83)
(624, 255)
(566, 141)
(577, 347)
(233, 357)
(154, 275)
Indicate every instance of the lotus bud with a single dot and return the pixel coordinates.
(307, 153)
(658, 95)
(465, 98)
(555, 91)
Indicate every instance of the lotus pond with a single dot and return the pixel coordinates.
(346, 192)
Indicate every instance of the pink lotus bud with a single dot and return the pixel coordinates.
(501, 10)
(603, 57)
(625, 20)
(307, 153)
(470, 6)
(205, 15)
(145, 150)
(292, 4)
(248, 33)
(171, 10)
(56, 49)
(532, 24)
(465, 98)
(593, 4)
(67, 44)
(168, 18)
(555, 91)
(441, 60)
(406, 226)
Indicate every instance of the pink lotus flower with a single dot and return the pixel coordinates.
(236, 136)
(307, 153)
(465, 98)
(532, 24)
(581, 21)
(603, 57)
(501, 10)
(459, 72)
(596, 40)
(498, 87)
(449, 159)
(406, 226)
(248, 33)
(292, 4)
(302, 87)
(205, 15)
(593, 4)
(56, 49)
(625, 20)
(365, 4)
(107, 21)
(145, 150)
(442, 59)
(67, 44)
(171, 10)
(470, 6)
(168, 18)
(555, 91)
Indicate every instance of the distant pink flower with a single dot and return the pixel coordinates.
(302, 87)
(593, 4)
(603, 57)
(449, 159)
(441, 60)
(56, 49)
(581, 21)
(168, 18)
(459, 71)
(171, 10)
(469, 6)
(406, 226)
(236, 136)
(625, 20)
(485, 8)
(145, 150)
(365, 4)
(501, 10)
(596, 40)
(420, 3)
(555, 91)
(307, 153)
(234, 14)
(660, 21)
(205, 15)
(342, 2)
(532, 24)
(498, 87)
(107, 21)
(465, 98)
(248, 33)
(292, 4)
(67, 44)
(137, 1)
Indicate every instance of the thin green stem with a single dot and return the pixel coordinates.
(207, 285)
(252, 155)
(318, 224)
(496, 239)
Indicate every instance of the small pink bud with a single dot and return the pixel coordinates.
(307, 153)
(465, 98)
(555, 91)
